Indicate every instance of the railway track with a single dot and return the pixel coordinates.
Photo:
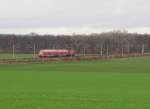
(57, 59)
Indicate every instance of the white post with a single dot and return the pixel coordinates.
(122, 52)
(13, 51)
(107, 52)
(71, 54)
(128, 48)
(101, 50)
(84, 51)
(34, 50)
(143, 49)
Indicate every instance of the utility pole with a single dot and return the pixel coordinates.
(34, 50)
(122, 52)
(71, 52)
(13, 47)
(107, 51)
(143, 49)
(84, 51)
(128, 48)
(13, 50)
(101, 50)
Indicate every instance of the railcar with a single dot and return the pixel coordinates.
(56, 53)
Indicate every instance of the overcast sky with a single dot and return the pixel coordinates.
(78, 16)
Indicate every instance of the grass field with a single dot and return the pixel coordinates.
(17, 56)
(107, 84)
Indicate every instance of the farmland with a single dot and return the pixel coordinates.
(17, 56)
(103, 84)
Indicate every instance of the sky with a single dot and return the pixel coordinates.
(74, 16)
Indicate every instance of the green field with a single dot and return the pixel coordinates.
(16, 56)
(107, 84)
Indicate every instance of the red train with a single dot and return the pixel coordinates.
(56, 53)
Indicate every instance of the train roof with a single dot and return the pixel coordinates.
(53, 50)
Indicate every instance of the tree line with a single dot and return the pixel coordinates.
(104, 43)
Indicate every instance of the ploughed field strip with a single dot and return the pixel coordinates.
(105, 84)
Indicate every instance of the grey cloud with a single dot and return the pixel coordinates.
(74, 13)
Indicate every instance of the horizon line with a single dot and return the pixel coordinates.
(72, 31)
